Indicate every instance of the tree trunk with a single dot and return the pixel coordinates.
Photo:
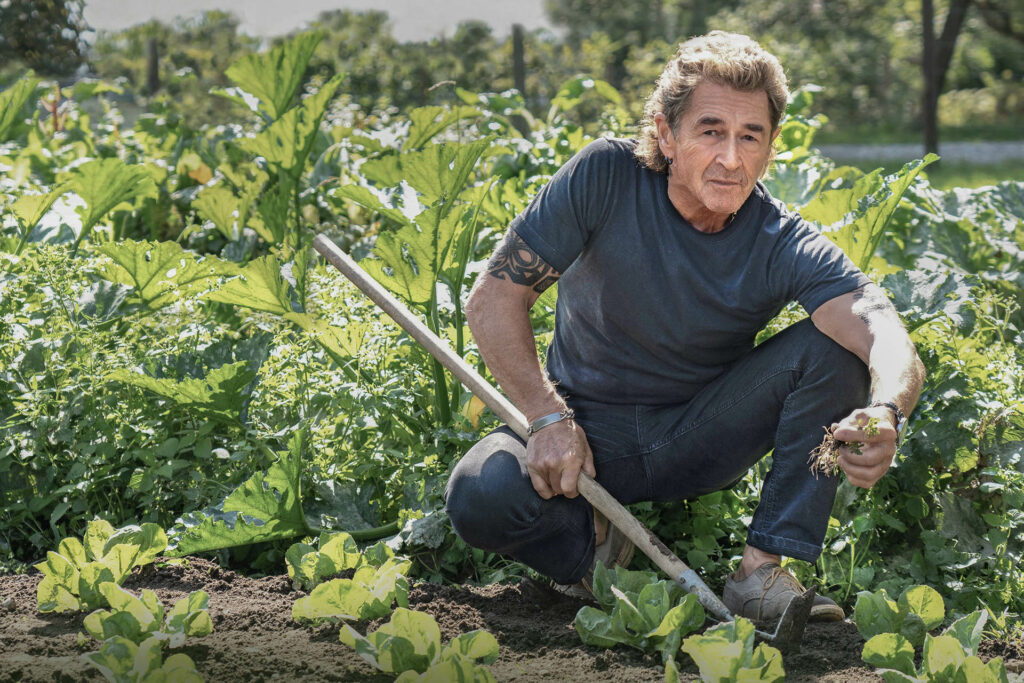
(937, 56)
(152, 67)
(930, 102)
(518, 60)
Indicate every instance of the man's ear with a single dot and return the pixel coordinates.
(665, 136)
(775, 134)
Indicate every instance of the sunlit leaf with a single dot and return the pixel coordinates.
(220, 394)
(855, 218)
(12, 103)
(287, 142)
(268, 506)
(275, 76)
(162, 272)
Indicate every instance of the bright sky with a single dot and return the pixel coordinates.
(411, 19)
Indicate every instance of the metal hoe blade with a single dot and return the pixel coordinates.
(790, 629)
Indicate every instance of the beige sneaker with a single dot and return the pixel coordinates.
(616, 551)
(767, 591)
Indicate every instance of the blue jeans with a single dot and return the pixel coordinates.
(777, 396)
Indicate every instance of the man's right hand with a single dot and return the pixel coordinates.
(554, 457)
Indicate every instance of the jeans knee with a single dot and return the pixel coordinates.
(839, 368)
(487, 501)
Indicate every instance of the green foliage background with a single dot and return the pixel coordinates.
(171, 352)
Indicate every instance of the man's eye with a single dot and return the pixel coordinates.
(711, 132)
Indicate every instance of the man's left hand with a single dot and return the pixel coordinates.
(870, 444)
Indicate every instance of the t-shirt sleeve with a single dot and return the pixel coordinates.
(560, 220)
(809, 268)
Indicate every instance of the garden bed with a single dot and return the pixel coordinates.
(254, 637)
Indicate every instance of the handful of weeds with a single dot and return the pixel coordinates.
(825, 457)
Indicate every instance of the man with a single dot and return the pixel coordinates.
(670, 257)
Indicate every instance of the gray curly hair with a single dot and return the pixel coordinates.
(730, 59)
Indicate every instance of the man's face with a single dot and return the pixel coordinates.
(720, 149)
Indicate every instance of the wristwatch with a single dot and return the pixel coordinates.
(899, 419)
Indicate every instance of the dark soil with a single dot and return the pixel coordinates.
(255, 639)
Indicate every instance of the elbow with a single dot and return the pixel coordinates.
(475, 305)
(919, 370)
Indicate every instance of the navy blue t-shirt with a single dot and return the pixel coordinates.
(649, 308)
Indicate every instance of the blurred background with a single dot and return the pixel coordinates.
(897, 76)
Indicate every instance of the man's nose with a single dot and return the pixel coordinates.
(729, 154)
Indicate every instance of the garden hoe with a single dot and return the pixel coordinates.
(790, 629)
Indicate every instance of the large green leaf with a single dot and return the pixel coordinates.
(220, 206)
(438, 172)
(220, 394)
(105, 184)
(922, 296)
(410, 261)
(259, 285)
(890, 651)
(968, 629)
(162, 272)
(925, 602)
(943, 656)
(29, 209)
(876, 613)
(287, 142)
(275, 76)
(267, 507)
(855, 218)
(428, 122)
(13, 101)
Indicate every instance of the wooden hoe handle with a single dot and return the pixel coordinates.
(595, 494)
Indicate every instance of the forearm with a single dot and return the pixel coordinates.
(505, 338)
(897, 373)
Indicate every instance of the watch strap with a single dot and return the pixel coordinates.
(899, 419)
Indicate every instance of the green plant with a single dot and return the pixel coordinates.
(410, 645)
(638, 610)
(369, 594)
(139, 618)
(335, 552)
(122, 661)
(951, 656)
(918, 610)
(74, 575)
(726, 653)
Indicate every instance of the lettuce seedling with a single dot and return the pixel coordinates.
(308, 566)
(726, 653)
(140, 618)
(122, 661)
(639, 611)
(918, 610)
(410, 645)
(951, 656)
(367, 595)
(72, 575)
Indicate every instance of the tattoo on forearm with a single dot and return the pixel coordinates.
(871, 303)
(514, 260)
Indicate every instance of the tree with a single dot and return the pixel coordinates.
(632, 24)
(43, 35)
(936, 58)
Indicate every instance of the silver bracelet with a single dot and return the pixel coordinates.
(550, 419)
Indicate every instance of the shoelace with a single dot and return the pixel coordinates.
(777, 573)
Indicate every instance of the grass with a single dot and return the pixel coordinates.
(950, 174)
(831, 134)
